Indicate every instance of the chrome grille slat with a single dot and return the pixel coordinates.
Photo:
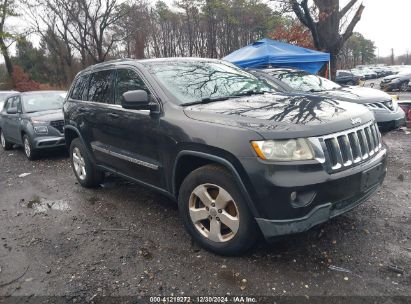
(349, 148)
(385, 105)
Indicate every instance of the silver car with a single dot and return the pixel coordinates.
(33, 120)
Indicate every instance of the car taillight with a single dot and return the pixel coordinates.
(407, 110)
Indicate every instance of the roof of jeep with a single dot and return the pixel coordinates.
(118, 62)
(45, 91)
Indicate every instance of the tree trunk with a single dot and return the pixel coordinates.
(333, 65)
(7, 60)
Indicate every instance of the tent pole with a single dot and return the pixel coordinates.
(329, 69)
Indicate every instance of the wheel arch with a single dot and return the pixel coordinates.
(71, 133)
(187, 161)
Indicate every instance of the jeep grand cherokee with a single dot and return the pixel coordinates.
(239, 158)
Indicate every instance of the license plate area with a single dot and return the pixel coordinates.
(371, 177)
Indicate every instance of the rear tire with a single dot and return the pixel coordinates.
(4, 143)
(215, 213)
(29, 151)
(84, 169)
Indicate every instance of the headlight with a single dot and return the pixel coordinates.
(41, 129)
(394, 104)
(283, 150)
(40, 122)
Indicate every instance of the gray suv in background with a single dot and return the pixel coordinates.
(33, 120)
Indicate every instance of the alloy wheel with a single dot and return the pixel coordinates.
(79, 164)
(214, 213)
(3, 140)
(27, 147)
(404, 87)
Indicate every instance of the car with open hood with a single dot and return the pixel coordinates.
(33, 120)
(385, 108)
(238, 157)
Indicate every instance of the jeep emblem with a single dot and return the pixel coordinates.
(355, 121)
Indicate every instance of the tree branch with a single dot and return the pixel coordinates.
(346, 8)
(350, 28)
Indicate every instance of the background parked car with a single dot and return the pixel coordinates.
(406, 106)
(368, 73)
(396, 82)
(33, 120)
(385, 109)
(3, 97)
(345, 77)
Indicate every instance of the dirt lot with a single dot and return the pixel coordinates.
(120, 240)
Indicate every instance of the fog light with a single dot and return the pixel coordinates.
(302, 198)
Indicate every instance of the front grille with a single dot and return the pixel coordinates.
(352, 147)
(385, 105)
(58, 124)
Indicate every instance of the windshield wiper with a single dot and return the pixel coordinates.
(316, 91)
(222, 98)
(250, 92)
(205, 100)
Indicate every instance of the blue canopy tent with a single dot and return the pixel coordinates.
(267, 52)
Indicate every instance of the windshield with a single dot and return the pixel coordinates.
(37, 102)
(302, 81)
(196, 81)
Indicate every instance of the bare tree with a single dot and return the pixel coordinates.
(7, 9)
(330, 25)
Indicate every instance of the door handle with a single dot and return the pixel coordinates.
(112, 115)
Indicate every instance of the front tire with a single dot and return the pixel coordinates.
(84, 169)
(4, 143)
(29, 151)
(215, 213)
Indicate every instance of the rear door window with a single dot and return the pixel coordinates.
(101, 87)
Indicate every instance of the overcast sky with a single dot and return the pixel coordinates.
(387, 23)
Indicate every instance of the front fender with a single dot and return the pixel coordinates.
(225, 163)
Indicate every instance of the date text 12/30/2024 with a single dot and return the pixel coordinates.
(205, 299)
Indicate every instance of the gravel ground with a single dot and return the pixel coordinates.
(58, 239)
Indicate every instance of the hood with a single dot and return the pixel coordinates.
(392, 77)
(357, 95)
(48, 116)
(283, 116)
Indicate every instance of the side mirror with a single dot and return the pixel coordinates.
(137, 100)
(12, 111)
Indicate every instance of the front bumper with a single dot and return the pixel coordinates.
(389, 86)
(47, 142)
(320, 195)
(320, 214)
(388, 120)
